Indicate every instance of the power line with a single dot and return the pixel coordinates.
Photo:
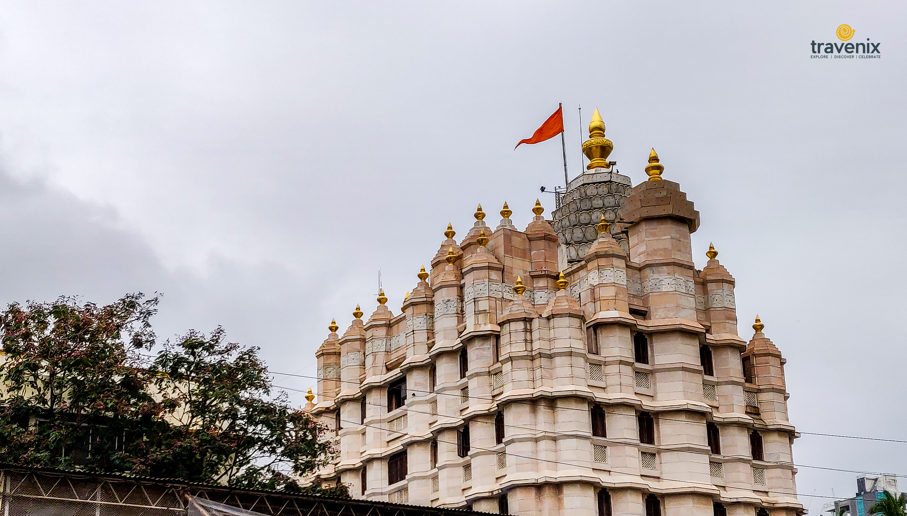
(491, 399)
(776, 463)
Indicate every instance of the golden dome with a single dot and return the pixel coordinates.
(597, 148)
(381, 297)
(711, 253)
(518, 287)
(603, 225)
(357, 313)
(479, 214)
(654, 168)
(561, 281)
(482, 240)
(422, 274)
(537, 209)
(451, 257)
(309, 396)
(506, 211)
(758, 326)
(333, 326)
(449, 232)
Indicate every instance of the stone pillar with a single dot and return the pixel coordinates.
(328, 359)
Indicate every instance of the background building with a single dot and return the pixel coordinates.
(869, 490)
(580, 366)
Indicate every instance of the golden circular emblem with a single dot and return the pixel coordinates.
(844, 32)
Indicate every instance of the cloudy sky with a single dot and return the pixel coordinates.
(259, 163)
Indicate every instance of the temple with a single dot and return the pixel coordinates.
(582, 366)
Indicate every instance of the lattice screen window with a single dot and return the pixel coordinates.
(467, 473)
(399, 496)
(596, 373)
(433, 407)
(759, 476)
(708, 392)
(497, 380)
(435, 485)
(648, 460)
(464, 395)
(716, 469)
(643, 380)
(749, 398)
(397, 425)
(599, 453)
(502, 460)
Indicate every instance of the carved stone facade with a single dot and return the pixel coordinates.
(615, 381)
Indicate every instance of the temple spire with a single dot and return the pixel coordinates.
(597, 148)
(654, 168)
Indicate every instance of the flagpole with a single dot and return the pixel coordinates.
(563, 147)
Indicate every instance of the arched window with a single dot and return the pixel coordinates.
(464, 363)
(496, 348)
(599, 427)
(503, 507)
(432, 378)
(641, 348)
(761, 512)
(756, 445)
(646, 428)
(714, 437)
(718, 509)
(653, 506)
(748, 375)
(499, 428)
(705, 358)
(362, 410)
(433, 452)
(604, 502)
(337, 420)
(591, 340)
(463, 441)
(363, 478)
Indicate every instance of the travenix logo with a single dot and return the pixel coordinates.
(845, 49)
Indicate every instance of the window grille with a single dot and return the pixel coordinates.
(433, 407)
(708, 392)
(399, 496)
(596, 373)
(749, 398)
(467, 473)
(599, 453)
(716, 469)
(464, 395)
(497, 380)
(435, 485)
(759, 476)
(643, 380)
(502, 460)
(648, 460)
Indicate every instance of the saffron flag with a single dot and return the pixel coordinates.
(549, 129)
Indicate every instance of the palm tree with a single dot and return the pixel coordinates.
(890, 505)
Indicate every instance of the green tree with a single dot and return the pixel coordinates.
(81, 391)
(890, 505)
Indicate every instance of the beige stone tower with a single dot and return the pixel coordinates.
(522, 378)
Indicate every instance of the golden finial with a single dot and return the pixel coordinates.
(449, 232)
(422, 274)
(381, 297)
(309, 396)
(451, 257)
(597, 148)
(758, 326)
(479, 214)
(603, 225)
(518, 287)
(357, 313)
(537, 209)
(654, 168)
(597, 125)
(482, 240)
(711, 253)
(333, 326)
(561, 281)
(506, 212)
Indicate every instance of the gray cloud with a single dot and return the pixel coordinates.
(259, 165)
